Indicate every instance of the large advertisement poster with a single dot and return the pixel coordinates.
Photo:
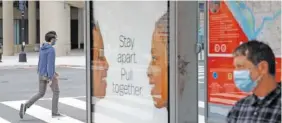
(130, 62)
(229, 24)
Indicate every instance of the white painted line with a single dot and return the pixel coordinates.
(229, 95)
(100, 118)
(3, 120)
(201, 119)
(73, 102)
(201, 73)
(201, 77)
(201, 82)
(142, 114)
(64, 97)
(41, 113)
(201, 104)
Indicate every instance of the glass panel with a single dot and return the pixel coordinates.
(130, 62)
(229, 24)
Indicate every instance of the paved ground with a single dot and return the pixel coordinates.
(17, 85)
(20, 84)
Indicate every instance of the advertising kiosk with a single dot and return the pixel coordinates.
(141, 61)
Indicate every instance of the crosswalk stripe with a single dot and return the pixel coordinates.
(41, 113)
(201, 77)
(201, 73)
(201, 104)
(3, 120)
(73, 102)
(201, 119)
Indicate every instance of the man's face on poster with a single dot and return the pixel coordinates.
(100, 64)
(157, 70)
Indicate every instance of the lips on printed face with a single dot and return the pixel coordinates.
(157, 70)
(100, 65)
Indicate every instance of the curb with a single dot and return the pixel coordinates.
(35, 66)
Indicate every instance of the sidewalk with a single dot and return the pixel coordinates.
(75, 59)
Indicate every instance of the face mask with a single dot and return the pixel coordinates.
(243, 80)
(53, 42)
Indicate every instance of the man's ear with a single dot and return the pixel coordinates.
(263, 67)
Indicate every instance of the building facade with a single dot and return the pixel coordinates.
(66, 18)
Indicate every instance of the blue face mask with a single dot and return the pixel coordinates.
(53, 42)
(243, 80)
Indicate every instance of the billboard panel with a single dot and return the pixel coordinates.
(229, 24)
(130, 62)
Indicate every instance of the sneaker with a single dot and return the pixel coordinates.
(56, 115)
(22, 110)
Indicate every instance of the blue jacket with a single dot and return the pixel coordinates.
(46, 63)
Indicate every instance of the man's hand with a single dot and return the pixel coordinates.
(56, 74)
(49, 82)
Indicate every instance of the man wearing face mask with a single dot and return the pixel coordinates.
(254, 72)
(47, 75)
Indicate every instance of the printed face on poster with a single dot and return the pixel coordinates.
(130, 62)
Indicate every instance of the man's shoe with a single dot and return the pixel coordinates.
(22, 110)
(56, 115)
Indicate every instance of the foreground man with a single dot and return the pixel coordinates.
(254, 72)
(47, 75)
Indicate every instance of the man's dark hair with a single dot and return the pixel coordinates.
(53, 32)
(257, 51)
(50, 35)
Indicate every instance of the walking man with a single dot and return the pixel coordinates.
(47, 75)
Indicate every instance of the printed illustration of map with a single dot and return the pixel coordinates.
(259, 20)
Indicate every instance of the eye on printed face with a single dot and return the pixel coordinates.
(157, 70)
(100, 65)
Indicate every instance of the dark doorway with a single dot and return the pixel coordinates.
(74, 34)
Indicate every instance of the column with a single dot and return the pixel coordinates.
(80, 27)
(8, 28)
(186, 21)
(55, 15)
(84, 28)
(68, 30)
(31, 22)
